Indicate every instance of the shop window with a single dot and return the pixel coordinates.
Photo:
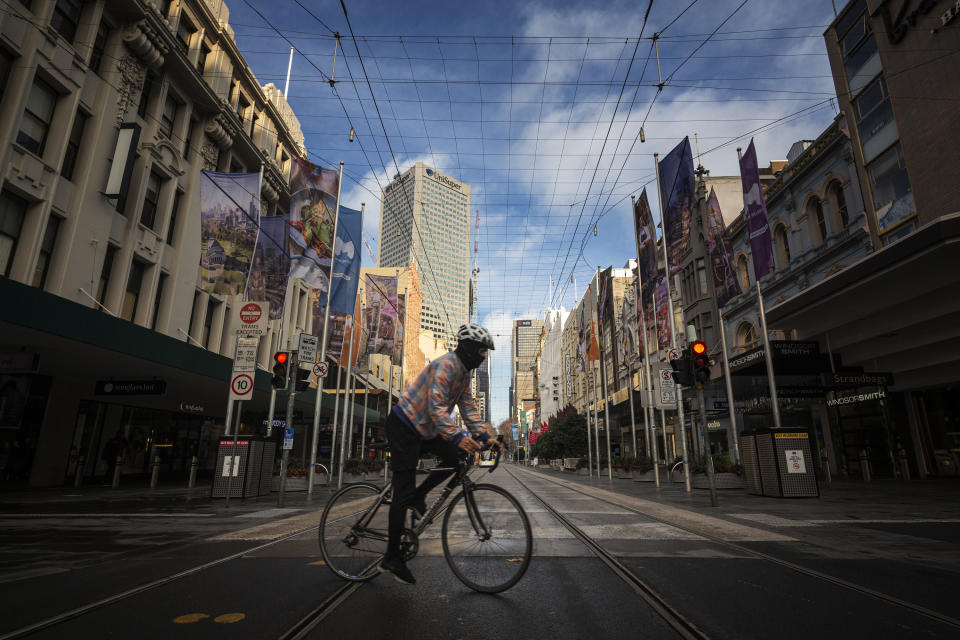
(168, 117)
(746, 336)
(145, 95)
(782, 244)
(73, 145)
(875, 119)
(46, 252)
(99, 47)
(890, 187)
(105, 273)
(66, 18)
(132, 294)
(151, 198)
(37, 117)
(12, 212)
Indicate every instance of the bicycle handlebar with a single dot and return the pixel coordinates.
(497, 462)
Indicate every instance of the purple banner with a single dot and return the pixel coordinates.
(646, 239)
(661, 307)
(271, 265)
(725, 282)
(677, 182)
(401, 316)
(755, 212)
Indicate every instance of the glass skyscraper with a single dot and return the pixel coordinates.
(425, 220)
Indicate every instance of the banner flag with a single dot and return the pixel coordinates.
(401, 316)
(229, 219)
(593, 346)
(725, 282)
(662, 309)
(380, 315)
(646, 238)
(755, 212)
(582, 338)
(338, 322)
(271, 265)
(346, 265)
(353, 323)
(313, 204)
(677, 182)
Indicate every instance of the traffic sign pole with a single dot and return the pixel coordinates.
(284, 461)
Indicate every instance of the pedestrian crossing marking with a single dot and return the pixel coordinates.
(190, 618)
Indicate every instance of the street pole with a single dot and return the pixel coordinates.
(586, 369)
(233, 457)
(291, 395)
(603, 385)
(344, 447)
(363, 430)
(711, 479)
(734, 442)
(323, 342)
(673, 328)
(768, 356)
(596, 418)
(280, 347)
(333, 424)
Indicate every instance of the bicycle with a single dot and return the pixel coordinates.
(486, 534)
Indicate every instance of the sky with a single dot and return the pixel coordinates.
(538, 106)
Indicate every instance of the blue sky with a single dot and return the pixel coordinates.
(520, 100)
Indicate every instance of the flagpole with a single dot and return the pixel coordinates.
(734, 443)
(344, 448)
(673, 328)
(768, 356)
(596, 392)
(586, 369)
(603, 385)
(333, 423)
(318, 400)
(649, 411)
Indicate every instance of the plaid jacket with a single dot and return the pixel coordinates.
(429, 401)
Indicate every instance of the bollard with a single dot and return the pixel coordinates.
(193, 472)
(864, 465)
(116, 473)
(386, 463)
(78, 476)
(825, 463)
(904, 465)
(156, 472)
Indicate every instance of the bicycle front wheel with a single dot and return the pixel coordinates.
(351, 541)
(487, 539)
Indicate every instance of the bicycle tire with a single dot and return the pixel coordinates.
(487, 565)
(351, 556)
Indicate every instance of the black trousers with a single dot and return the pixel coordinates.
(406, 447)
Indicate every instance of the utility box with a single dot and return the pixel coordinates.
(779, 463)
(245, 465)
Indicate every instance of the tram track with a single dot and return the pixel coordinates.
(813, 573)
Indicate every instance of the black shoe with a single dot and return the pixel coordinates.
(398, 569)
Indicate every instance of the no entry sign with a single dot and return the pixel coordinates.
(250, 318)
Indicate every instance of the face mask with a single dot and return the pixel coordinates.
(469, 356)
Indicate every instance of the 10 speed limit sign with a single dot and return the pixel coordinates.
(241, 386)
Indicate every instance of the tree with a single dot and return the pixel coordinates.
(566, 436)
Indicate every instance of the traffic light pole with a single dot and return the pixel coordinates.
(711, 479)
(673, 328)
(291, 395)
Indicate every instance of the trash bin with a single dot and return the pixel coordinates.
(783, 463)
(751, 465)
(250, 464)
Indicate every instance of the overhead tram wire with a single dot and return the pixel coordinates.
(324, 75)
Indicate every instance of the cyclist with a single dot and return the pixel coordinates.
(421, 422)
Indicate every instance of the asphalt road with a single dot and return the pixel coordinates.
(57, 556)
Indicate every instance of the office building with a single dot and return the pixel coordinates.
(525, 342)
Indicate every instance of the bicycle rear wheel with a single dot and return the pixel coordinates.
(350, 550)
(487, 539)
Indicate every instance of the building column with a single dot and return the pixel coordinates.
(913, 420)
(52, 454)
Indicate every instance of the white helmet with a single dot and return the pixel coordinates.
(475, 333)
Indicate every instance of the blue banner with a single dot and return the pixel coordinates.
(271, 265)
(346, 262)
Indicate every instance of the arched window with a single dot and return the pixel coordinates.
(743, 272)
(782, 245)
(839, 204)
(819, 219)
(746, 335)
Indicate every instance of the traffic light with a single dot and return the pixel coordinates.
(701, 362)
(303, 379)
(280, 369)
(682, 372)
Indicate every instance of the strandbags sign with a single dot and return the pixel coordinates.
(229, 219)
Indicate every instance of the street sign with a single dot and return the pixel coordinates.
(673, 354)
(245, 360)
(250, 318)
(288, 438)
(320, 369)
(668, 388)
(241, 387)
(307, 353)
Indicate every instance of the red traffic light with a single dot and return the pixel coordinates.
(699, 347)
(280, 357)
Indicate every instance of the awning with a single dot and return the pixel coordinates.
(897, 310)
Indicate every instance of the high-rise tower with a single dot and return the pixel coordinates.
(425, 220)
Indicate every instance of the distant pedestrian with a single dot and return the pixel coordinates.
(115, 448)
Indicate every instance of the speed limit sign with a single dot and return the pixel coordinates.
(241, 387)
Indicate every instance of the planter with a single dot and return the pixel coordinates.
(293, 484)
(723, 480)
(570, 464)
(643, 476)
(583, 472)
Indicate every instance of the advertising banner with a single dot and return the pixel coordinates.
(725, 282)
(229, 219)
(677, 182)
(662, 310)
(271, 265)
(346, 265)
(380, 315)
(401, 316)
(755, 212)
(313, 204)
(646, 239)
